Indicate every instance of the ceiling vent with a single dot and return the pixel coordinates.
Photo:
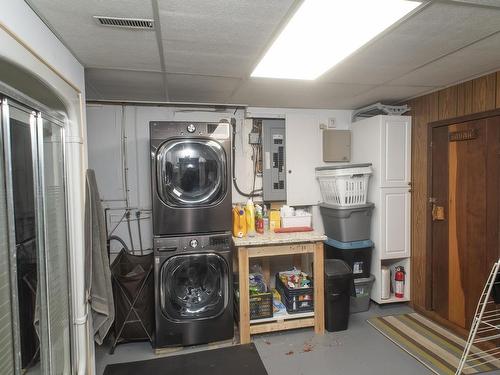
(127, 23)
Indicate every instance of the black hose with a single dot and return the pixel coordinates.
(253, 193)
(116, 238)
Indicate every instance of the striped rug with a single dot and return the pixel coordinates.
(432, 345)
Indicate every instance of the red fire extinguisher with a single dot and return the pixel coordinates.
(399, 278)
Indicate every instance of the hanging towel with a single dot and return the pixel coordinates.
(98, 272)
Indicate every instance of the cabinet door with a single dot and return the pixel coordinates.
(396, 151)
(395, 223)
(303, 154)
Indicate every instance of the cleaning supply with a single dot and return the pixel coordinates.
(239, 222)
(259, 219)
(250, 216)
(265, 215)
(274, 220)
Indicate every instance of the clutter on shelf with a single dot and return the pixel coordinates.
(252, 219)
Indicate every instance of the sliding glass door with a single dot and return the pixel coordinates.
(7, 325)
(33, 235)
(50, 138)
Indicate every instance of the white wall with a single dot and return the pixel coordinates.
(26, 41)
(105, 132)
(17, 17)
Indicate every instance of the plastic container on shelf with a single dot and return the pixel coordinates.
(296, 300)
(360, 298)
(358, 255)
(296, 221)
(347, 224)
(344, 185)
(338, 285)
(261, 306)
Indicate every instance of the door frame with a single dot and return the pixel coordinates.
(428, 253)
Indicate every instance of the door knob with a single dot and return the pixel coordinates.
(437, 213)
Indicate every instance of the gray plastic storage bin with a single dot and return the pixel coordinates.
(360, 301)
(347, 224)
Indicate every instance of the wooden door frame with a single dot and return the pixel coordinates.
(428, 253)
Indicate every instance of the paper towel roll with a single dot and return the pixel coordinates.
(385, 283)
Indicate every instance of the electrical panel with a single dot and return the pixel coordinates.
(274, 171)
(336, 145)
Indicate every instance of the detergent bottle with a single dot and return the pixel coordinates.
(250, 215)
(239, 222)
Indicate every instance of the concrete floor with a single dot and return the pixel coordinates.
(359, 350)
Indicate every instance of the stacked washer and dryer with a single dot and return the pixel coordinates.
(191, 196)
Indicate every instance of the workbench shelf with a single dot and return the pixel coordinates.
(273, 245)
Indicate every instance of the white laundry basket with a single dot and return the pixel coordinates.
(344, 185)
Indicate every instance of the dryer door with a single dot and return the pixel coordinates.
(191, 172)
(194, 286)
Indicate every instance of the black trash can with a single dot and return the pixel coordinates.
(338, 286)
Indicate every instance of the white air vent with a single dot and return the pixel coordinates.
(128, 23)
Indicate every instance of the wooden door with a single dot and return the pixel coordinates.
(464, 195)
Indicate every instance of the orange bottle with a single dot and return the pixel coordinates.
(239, 222)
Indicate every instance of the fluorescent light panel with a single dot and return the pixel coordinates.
(323, 32)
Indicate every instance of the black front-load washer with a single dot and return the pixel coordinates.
(193, 289)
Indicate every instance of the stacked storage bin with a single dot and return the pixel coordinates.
(347, 221)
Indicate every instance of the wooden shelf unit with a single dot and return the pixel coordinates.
(287, 321)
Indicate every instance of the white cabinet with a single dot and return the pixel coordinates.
(395, 227)
(395, 147)
(385, 141)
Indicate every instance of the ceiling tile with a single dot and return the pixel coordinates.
(100, 46)
(201, 89)
(295, 93)
(221, 38)
(437, 30)
(387, 95)
(113, 84)
(482, 57)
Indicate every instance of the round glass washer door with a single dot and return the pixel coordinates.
(191, 172)
(194, 286)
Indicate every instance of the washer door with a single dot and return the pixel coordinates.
(191, 172)
(194, 286)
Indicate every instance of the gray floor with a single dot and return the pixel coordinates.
(359, 350)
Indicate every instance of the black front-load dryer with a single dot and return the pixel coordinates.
(193, 290)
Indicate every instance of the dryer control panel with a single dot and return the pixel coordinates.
(209, 242)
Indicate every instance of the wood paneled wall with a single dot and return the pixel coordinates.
(478, 95)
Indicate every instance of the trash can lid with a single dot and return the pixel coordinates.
(336, 268)
(343, 166)
(348, 245)
(364, 280)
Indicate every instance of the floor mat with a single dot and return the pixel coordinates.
(432, 345)
(238, 360)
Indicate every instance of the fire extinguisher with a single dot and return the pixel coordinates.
(399, 278)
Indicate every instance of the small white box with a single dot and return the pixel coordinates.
(296, 221)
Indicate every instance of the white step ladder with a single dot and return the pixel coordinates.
(485, 327)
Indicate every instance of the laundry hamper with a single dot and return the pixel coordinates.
(344, 185)
(133, 292)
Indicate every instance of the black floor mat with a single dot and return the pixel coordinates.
(237, 360)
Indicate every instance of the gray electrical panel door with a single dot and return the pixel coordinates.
(274, 168)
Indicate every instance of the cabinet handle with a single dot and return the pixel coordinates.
(289, 171)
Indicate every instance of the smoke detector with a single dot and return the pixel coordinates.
(127, 23)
